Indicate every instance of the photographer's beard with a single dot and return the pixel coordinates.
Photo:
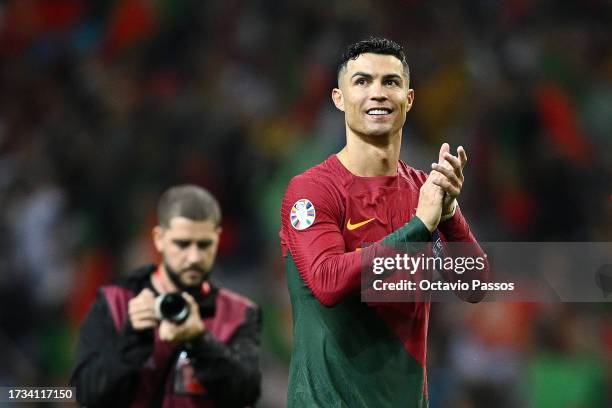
(175, 277)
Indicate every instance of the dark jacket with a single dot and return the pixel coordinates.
(110, 365)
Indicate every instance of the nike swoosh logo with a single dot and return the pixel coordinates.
(351, 227)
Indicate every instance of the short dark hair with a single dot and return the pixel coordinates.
(188, 201)
(373, 45)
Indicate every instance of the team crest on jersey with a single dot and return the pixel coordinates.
(302, 214)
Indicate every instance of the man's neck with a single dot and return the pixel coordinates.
(371, 156)
(162, 282)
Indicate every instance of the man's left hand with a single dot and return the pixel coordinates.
(188, 330)
(451, 168)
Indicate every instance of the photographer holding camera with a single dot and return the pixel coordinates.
(166, 335)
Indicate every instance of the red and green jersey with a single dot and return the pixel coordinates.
(347, 353)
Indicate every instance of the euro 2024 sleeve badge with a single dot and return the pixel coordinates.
(303, 214)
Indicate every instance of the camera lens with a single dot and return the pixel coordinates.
(173, 307)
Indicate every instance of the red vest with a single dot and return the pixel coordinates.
(156, 372)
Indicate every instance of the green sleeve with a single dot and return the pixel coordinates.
(412, 232)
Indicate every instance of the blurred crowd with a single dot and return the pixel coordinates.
(103, 105)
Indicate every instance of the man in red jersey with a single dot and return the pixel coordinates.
(346, 352)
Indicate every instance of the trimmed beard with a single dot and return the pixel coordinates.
(194, 291)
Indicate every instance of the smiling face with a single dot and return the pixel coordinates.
(374, 95)
(188, 248)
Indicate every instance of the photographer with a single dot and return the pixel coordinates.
(199, 349)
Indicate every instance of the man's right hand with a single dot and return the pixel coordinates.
(429, 209)
(141, 310)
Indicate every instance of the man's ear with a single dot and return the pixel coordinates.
(410, 98)
(158, 238)
(338, 98)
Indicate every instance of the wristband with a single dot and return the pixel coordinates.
(451, 214)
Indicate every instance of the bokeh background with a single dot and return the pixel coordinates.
(105, 104)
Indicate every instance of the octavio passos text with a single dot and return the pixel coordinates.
(412, 264)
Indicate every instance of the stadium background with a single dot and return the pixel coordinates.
(105, 104)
